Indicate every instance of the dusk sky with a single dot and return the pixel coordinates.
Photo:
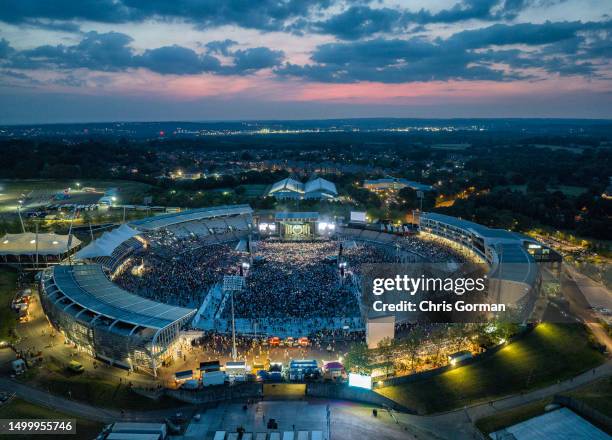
(138, 60)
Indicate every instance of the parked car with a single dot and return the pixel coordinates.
(76, 367)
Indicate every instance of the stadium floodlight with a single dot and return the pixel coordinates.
(233, 282)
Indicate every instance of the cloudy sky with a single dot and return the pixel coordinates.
(110, 60)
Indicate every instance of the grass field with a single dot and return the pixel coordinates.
(13, 190)
(577, 150)
(572, 191)
(597, 395)
(512, 417)
(550, 353)
(20, 409)
(8, 318)
(254, 190)
(451, 147)
(97, 391)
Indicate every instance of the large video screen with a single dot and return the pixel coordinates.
(358, 216)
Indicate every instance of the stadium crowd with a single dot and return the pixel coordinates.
(295, 279)
(177, 271)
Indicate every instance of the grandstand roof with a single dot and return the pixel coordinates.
(164, 220)
(320, 184)
(494, 235)
(25, 244)
(107, 243)
(311, 216)
(287, 184)
(516, 264)
(88, 286)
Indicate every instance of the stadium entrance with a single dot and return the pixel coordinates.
(296, 225)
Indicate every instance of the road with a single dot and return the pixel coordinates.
(347, 418)
(581, 292)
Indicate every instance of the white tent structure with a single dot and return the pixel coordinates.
(24, 248)
(107, 243)
(320, 189)
(316, 188)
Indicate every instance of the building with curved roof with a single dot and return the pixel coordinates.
(113, 324)
(108, 322)
(510, 255)
(315, 188)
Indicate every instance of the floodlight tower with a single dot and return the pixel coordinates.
(232, 283)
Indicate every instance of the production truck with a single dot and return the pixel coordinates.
(213, 378)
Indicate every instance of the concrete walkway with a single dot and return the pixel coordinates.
(456, 424)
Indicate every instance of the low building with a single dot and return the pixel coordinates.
(394, 184)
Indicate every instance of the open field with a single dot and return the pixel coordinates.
(254, 190)
(8, 317)
(551, 352)
(571, 191)
(20, 409)
(597, 395)
(97, 390)
(573, 149)
(451, 147)
(512, 417)
(11, 191)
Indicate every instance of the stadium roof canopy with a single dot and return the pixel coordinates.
(493, 235)
(516, 264)
(164, 220)
(88, 286)
(322, 185)
(107, 243)
(25, 244)
(301, 216)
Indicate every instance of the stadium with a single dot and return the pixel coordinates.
(127, 297)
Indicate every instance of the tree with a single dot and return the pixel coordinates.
(386, 349)
(412, 344)
(437, 337)
(359, 358)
